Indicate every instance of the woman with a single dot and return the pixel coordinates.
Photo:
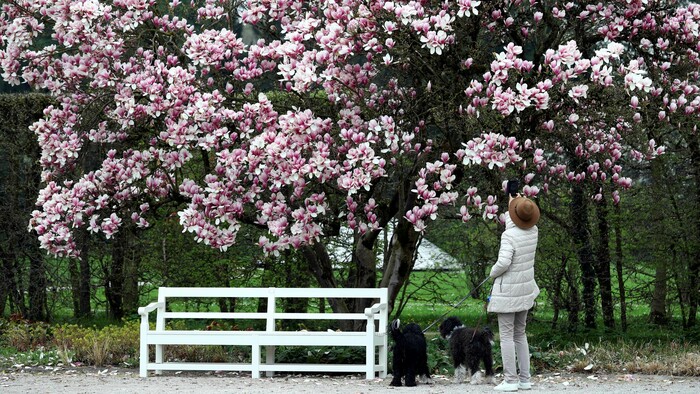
(514, 290)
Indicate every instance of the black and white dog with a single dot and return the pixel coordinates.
(469, 347)
(410, 354)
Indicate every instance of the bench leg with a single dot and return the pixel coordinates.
(369, 362)
(143, 358)
(159, 358)
(269, 359)
(256, 362)
(383, 354)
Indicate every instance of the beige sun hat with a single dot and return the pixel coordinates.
(523, 212)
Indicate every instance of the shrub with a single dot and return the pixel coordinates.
(196, 353)
(439, 360)
(319, 355)
(107, 346)
(24, 336)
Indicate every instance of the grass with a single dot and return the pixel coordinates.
(653, 357)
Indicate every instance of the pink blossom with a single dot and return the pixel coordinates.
(435, 41)
(579, 91)
(468, 7)
(537, 16)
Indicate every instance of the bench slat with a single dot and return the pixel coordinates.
(261, 292)
(201, 338)
(313, 367)
(321, 316)
(215, 315)
(185, 366)
(263, 316)
(313, 339)
(263, 338)
(180, 366)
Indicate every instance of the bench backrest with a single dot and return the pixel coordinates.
(380, 296)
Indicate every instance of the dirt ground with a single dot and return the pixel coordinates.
(112, 380)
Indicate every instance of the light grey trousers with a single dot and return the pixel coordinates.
(511, 328)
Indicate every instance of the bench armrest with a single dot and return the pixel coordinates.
(145, 310)
(374, 309)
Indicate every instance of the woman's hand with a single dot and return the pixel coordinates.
(511, 198)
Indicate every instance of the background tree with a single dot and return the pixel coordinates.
(24, 280)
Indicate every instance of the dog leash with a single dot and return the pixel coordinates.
(478, 321)
(458, 304)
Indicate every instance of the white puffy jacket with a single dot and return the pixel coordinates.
(514, 288)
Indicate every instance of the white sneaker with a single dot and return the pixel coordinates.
(524, 386)
(505, 386)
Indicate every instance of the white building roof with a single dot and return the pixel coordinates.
(429, 256)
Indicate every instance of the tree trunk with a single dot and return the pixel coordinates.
(320, 264)
(224, 275)
(74, 277)
(132, 262)
(364, 268)
(79, 270)
(694, 220)
(5, 284)
(618, 268)
(85, 288)
(14, 292)
(3, 293)
(114, 288)
(556, 297)
(693, 269)
(573, 300)
(399, 265)
(581, 237)
(657, 313)
(602, 265)
(293, 269)
(682, 297)
(38, 310)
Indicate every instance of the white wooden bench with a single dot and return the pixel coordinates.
(373, 339)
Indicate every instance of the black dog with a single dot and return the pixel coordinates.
(410, 354)
(469, 347)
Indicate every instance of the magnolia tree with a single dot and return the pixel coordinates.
(340, 113)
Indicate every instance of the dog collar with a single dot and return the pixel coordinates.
(453, 330)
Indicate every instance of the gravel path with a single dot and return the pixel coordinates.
(109, 381)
